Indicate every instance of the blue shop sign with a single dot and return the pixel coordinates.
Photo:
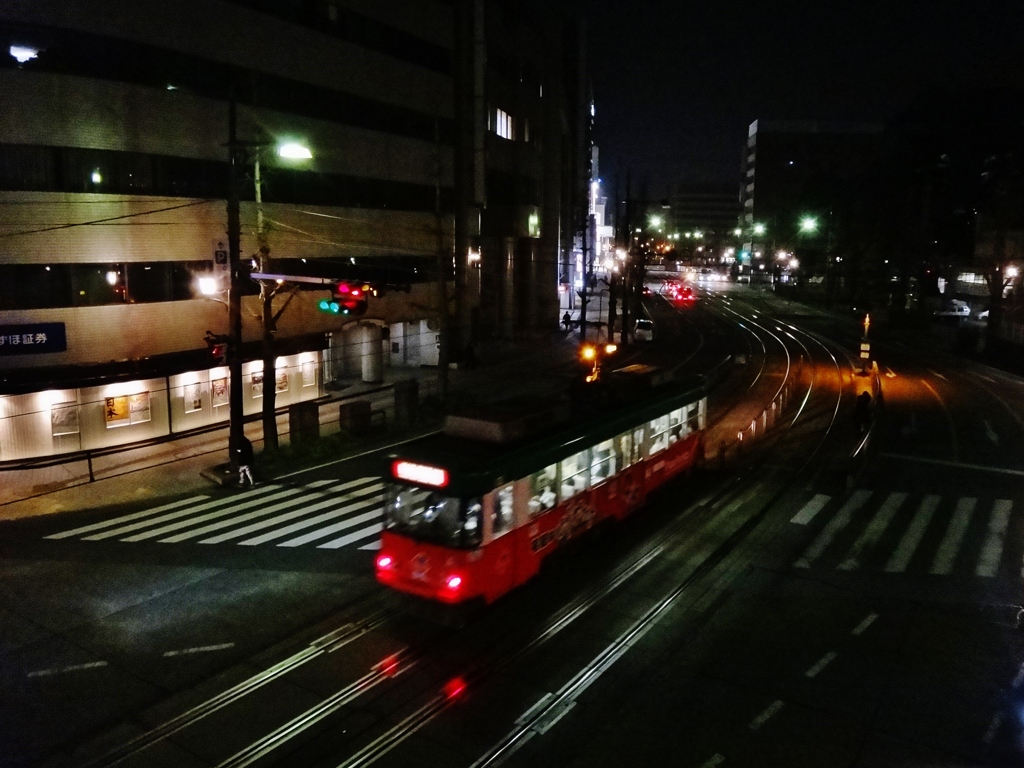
(32, 339)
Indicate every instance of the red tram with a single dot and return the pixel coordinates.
(471, 513)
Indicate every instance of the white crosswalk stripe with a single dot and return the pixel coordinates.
(271, 514)
(942, 565)
(912, 537)
(866, 517)
(835, 525)
(989, 562)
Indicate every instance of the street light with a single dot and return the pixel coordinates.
(809, 224)
(759, 229)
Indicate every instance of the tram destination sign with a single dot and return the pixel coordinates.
(32, 339)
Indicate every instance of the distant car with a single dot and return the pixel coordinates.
(647, 291)
(644, 330)
(955, 309)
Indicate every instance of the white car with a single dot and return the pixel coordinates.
(955, 309)
(644, 330)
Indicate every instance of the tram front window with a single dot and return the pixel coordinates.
(433, 517)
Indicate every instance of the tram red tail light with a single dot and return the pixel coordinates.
(454, 687)
(453, 582)
(385, 562)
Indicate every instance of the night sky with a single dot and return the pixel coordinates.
(677, 83)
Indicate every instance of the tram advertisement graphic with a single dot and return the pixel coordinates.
(578, 517)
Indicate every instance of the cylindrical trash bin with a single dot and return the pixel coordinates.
(303, 422)
(354, 417)
(406, 401)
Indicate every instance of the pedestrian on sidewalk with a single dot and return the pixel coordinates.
(567, 320)
(245, 459)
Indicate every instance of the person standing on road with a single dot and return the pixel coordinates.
(567, 321)
(245, 459)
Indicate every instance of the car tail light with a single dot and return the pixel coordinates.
(385, 562)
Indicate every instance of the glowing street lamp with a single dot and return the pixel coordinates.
(759, 229)
(656, 222)
(294, 151)
(809, 224)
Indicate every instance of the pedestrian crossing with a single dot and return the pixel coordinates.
(897, 532)
(325, 514)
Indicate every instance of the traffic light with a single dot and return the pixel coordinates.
(348, 299)
(217, 343)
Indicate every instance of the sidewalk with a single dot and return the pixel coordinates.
(175, 467)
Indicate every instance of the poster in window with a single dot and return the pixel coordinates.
(309, 374)
(257, 384)
(116, 413)
(64, 419)
(193, 398)
(281, 380)
(219, 392)
(138, 408)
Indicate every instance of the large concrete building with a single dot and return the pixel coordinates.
(437, 131)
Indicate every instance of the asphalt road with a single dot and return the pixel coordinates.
(789, 608)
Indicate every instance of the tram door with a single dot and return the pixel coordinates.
(502, 546)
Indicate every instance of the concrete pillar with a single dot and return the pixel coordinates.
(372, 353)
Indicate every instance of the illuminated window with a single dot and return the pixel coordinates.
(542, 489)
(502, 519)
(574, 475)
(657, 431)
(602, 462)
(503, 124)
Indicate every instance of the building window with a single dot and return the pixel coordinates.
(503, 124)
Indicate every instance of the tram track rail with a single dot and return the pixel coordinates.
(389, 670)
(547, 711)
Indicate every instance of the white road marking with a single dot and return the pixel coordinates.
(1019, 678)
(874, 531)
(72, 668)
(985, 378)
(912, 536)
(306, 509)
(715, 759)
(859, 629)
(127, 518)
(810, 509)
(835, 525)
(890, 373)
(256, 503)
(352, 537)
(373, 545)
(371, 501)
(988, 564)
(200, 649)
(231, 522)
(937, 374)
(823, 662)
(765, 716)
(990, 433)
(942, 565)
(993, 728)
(251, 499)
(323, 533)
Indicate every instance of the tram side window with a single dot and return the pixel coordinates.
(625, 446)
(542, 489)
(502, 520)
(693, 418)
(574, 475)
(658, 435)
(675, 425)
(602, 462)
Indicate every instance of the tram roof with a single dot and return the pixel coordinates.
(477, 466)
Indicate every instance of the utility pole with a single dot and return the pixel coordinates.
(627, 268)
(235, 416)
